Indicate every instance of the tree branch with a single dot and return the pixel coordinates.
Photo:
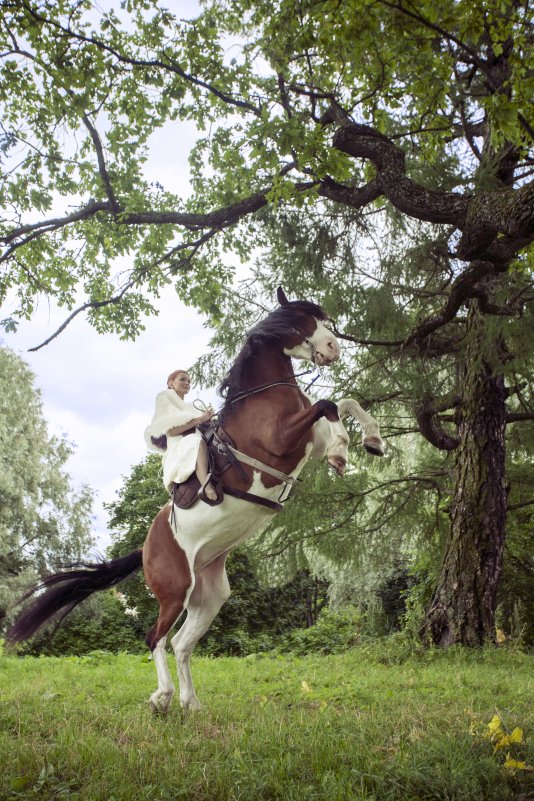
(519, 417)
(134, 62)
(102, 168)
(481, 217)
(392, 343)
(362, 141)
(99, 304)
(47, 226)
(355, 197)
(514, 506)
(431, 429)
(220, 218)
(461, 290)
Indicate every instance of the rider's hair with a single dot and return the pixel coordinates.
(173, 376)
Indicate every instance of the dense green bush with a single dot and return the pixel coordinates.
(252, 620)
(334, 632)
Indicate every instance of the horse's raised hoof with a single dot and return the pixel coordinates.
(338, 463)
(374, 446)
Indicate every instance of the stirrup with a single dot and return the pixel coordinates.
(201, 494)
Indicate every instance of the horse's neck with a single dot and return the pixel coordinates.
(269, 366)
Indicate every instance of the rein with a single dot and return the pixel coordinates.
(248, 392)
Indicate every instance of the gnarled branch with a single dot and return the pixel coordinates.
(430, 426)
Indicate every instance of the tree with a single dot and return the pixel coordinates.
(408, 117)
(43, 520)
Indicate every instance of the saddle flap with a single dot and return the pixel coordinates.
(184, 495)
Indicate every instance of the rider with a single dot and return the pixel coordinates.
(174, 419)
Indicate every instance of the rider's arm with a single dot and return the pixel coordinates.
(177, 430)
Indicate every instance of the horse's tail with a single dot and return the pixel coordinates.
(66, 590)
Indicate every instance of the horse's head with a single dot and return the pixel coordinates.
(295, 327)
(307, 337)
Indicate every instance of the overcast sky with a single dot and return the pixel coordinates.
(98, 390)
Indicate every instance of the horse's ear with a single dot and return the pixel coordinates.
(281, 295)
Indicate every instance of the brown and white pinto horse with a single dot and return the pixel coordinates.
(184, 563)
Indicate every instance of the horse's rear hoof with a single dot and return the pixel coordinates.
(159, 703)
(374, 446)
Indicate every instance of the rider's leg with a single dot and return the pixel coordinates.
(202, 471)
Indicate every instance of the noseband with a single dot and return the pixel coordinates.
(313, 350)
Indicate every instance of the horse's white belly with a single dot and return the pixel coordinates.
(204, 532)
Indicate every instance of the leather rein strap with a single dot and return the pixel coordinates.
(246, 393)
(242, 457)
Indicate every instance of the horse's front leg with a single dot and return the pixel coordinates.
(337, 453)
(290, 431)
(371, 439)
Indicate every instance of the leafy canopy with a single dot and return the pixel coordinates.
(366, 104)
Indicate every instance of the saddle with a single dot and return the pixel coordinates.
(220, 459)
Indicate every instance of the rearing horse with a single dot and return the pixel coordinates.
(274, 423)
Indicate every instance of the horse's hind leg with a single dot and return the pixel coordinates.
(168, 575)
(210, 592)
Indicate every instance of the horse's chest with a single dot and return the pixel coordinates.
(205, 532)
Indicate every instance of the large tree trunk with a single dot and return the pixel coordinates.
(462, 609)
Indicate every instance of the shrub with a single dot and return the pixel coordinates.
(101, 623)
(335, 631)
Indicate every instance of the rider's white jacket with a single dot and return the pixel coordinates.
(180, 457)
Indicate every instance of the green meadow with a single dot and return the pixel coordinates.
(373, 723)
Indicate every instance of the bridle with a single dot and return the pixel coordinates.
(248, 392)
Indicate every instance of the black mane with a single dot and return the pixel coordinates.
(278, 325)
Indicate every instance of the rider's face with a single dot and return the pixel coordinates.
(181, 384)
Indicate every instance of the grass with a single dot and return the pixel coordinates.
(368, 724)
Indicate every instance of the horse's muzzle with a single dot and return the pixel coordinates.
(324, 361)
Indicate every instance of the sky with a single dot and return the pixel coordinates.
(97, 390)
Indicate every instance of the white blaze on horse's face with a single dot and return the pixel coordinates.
(321, 346)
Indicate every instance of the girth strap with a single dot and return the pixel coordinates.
(261, 466)
(218, 442)
(249, 496)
